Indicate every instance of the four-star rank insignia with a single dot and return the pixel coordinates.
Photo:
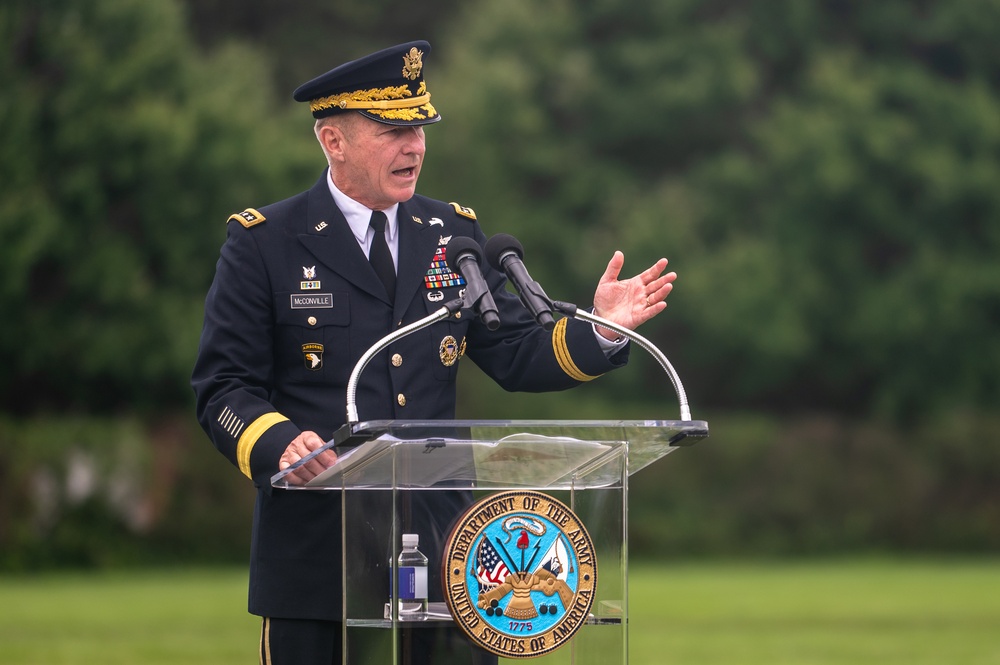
(247, 218)
(464, 211)
(520, 574)
(313, 356)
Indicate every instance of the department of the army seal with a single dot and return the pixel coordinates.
(520, 572)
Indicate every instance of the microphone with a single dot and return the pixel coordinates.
(504, 253)
(464, 253)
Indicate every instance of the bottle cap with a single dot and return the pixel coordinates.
(411, 539)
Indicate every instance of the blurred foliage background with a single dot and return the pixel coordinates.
(824, 175)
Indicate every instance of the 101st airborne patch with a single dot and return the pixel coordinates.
(520, 572)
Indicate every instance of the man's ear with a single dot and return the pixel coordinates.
(331, 137)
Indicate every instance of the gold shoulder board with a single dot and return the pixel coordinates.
(463, 211)
(247, 218)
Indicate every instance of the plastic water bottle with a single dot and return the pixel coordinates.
(412, 570)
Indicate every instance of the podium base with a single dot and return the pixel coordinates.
(609, 614)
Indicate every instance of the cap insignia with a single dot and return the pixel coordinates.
(412, 64)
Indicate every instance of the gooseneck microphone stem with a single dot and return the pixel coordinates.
(575, 312)
(505, 253)
(532, 296)
(465, 254)
(446, 310)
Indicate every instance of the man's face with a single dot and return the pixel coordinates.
(380, 163)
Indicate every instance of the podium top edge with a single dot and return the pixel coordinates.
(360, 445)
(687, 431)
(640, 424)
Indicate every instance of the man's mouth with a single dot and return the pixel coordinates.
(405, 173)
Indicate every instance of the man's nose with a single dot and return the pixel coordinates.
(415, 141)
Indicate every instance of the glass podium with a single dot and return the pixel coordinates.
(400, 477)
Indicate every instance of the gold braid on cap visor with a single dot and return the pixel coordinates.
(385, 99)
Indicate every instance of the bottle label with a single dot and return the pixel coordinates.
(412, 582)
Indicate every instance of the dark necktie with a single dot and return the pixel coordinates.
(379, 255)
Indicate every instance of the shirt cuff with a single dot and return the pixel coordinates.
(609, 346)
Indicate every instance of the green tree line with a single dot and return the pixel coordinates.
(822, 175)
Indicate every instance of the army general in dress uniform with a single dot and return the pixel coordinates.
(305, 286)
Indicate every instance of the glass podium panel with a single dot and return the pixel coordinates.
(421, 477)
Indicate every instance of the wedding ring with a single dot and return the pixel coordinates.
(647, 301)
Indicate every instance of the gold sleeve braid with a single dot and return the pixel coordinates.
(250, 437)
(563, 356)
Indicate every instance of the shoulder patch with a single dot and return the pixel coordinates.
(463, 211)
(247, 218)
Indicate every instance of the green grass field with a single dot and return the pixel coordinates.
(807, 613)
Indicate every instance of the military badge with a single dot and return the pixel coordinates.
(520, 574)
(313, 355)
(435, 296)
(309, 279)
(448, 351)
(439, 275)
(434, 221)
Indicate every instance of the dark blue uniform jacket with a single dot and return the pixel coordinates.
(257, 388)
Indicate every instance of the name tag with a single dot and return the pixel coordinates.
(312, 300)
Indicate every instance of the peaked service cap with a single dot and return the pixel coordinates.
(386, 86)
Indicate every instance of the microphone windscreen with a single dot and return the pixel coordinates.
(498, 246)
(459, 245)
